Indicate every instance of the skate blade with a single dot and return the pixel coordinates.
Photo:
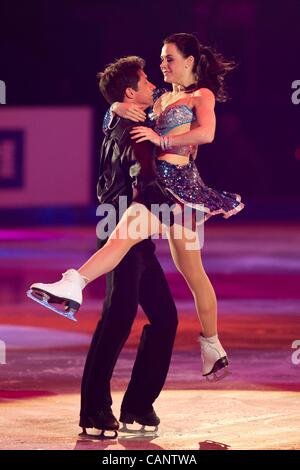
(141, 431)
(42, 299)
(219, 375)
(219, 370)
(99, 437)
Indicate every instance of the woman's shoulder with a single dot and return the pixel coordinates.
(203, 95)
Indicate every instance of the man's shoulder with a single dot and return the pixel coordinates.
(120, 130)
(123, 125)
(125, 138)
(121, 133)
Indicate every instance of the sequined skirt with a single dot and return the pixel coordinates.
(186, 186)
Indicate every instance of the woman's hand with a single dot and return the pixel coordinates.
(141, 133)
(130, 111)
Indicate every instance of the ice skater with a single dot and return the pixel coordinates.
(184, 119)
(127, 285)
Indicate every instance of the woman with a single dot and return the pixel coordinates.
(184, 119)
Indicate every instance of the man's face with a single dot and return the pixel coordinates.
(144, 93)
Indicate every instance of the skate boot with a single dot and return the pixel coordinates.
(214, 359)
(148, 419)
(67, 291)
(103, 421)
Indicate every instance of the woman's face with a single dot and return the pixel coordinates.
(175, 67)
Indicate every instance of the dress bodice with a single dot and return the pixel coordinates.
(172, 117)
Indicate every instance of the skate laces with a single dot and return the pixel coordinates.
(69, 273)
(72, 274)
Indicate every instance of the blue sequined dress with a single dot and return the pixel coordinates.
(183, 182)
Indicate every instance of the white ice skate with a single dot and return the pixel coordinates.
(214, 359)
(67, 291)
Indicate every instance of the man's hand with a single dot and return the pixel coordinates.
(130, 111)
(141, 133)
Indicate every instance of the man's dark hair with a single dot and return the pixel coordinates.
(119, 75)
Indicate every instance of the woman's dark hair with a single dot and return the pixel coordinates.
(119, 75)
(210, 66)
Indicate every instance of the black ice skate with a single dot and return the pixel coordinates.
(67, 291)
(149, 419)
(103, 421)
(214, 358)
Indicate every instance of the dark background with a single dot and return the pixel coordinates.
(51, 51)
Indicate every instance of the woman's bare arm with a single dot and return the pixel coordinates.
(131, 111)
(203, 133)
(204, 103)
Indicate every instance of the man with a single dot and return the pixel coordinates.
(138, 279)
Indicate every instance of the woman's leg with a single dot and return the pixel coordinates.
(186, 253)
(187, 259)
(136, 224)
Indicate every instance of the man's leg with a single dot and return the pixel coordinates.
(111, 333)
(88, 370)
(156, 344)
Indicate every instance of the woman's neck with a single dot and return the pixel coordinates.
(181, 87)
(177, 89)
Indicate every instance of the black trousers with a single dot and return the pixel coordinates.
(138, 279)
